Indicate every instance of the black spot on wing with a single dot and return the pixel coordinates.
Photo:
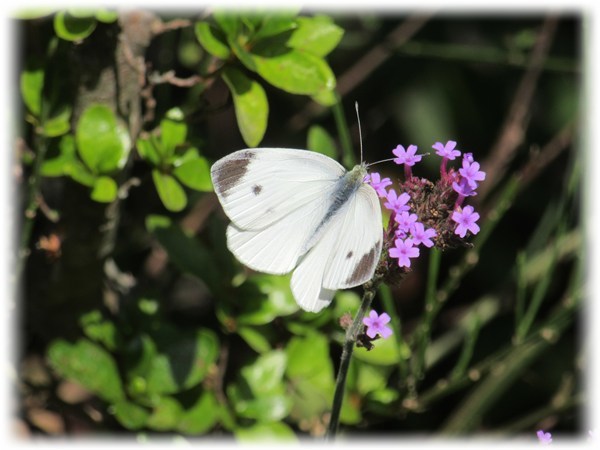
(349, 255)
(364, 268)
(256, 189)
(229, 172)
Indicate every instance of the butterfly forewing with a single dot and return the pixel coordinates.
(258, 187)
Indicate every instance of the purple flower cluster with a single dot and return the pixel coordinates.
(427, 213)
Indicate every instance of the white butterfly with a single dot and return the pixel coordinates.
(297, 209)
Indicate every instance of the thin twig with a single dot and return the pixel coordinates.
(169, 77)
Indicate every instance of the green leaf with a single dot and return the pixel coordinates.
(80, 173)
(59, 123)
(170, 361)
(103, 144)
(275, 23)
(166, 415)
(148, 151)
(251, 105)
(262, 432)
(296, 72)
(266, 373)
(173, 131)
(170, 191)
(317, 35)
(311, 376)
(61, 164)
(99, 329)
(71, 28)
(326, 97)
(106, 16)
(32, 13)
(265, 298)
(228, 22)
(105, 190)
(89, 365)
(320, 141)
(195, 174)
(212, 39)
(130, 415)
(264, 408)
(255, 339)
(201, 417)
(32, 84)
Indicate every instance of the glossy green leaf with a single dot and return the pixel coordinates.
(32, 84)
(228, 22)
(59, 123)
(273, 23)
(195, 174)
(241, 50)
(130, 415)
(212, 39)
(99, 329)
(170, 191)
(255, 339)
(326, 97)
(265, 298)
(296, 72)
(311, 376)
(61, 164)
(71, 28)
(320, 141)
(251, 105)
(102, 143)
(317, 35)
(148, 151)
(105, 190)
(166, 414)
(201, 417)
(89, 365)
(173, 131)
(264, 408)
(263, 376)
(80, 173)
(106, 16)
(170, 361)
(264, 432)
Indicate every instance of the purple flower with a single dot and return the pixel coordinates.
(446, 151)
(405, 220)
(374, 179)
(464, 188)
(408, 156)
(468, 157)
(395, 203)
(376, 324)
(421, 235)
(404, 250)
(466, 221)
(545, 438)
(470, 172)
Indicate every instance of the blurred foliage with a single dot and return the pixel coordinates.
(141, 306)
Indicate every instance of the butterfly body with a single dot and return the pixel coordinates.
(302, 211)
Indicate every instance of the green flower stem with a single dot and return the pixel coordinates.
(32, 205)
(351, 334)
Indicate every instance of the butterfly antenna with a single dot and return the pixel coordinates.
(359, 131)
